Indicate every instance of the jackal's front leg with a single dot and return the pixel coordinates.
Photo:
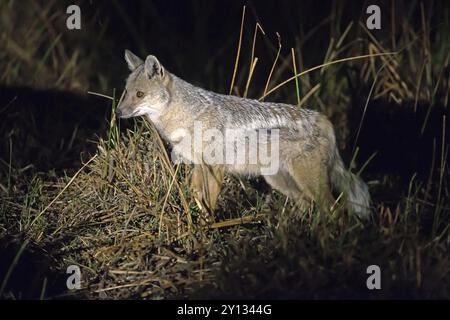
(206, 183)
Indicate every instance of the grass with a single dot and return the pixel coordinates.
(127, 217)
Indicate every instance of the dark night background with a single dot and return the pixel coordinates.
(392, 110)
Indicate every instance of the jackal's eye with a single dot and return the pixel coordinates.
(139, 94)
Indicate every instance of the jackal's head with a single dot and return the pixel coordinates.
(146, 88)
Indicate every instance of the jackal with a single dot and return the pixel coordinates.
(308, 164)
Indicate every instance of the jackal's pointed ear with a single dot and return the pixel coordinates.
(153, 67)
(132, 60)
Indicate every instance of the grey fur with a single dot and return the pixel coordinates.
(309, 158)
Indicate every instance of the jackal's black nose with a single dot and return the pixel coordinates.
(118, 113)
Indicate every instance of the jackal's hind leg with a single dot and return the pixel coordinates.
(206, 183)
(312, 178)
(284, 183)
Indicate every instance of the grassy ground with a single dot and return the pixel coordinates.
(124, 214)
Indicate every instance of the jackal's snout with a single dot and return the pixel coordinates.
(146, 92)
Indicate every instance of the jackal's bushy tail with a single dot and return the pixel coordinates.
(355, 190)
